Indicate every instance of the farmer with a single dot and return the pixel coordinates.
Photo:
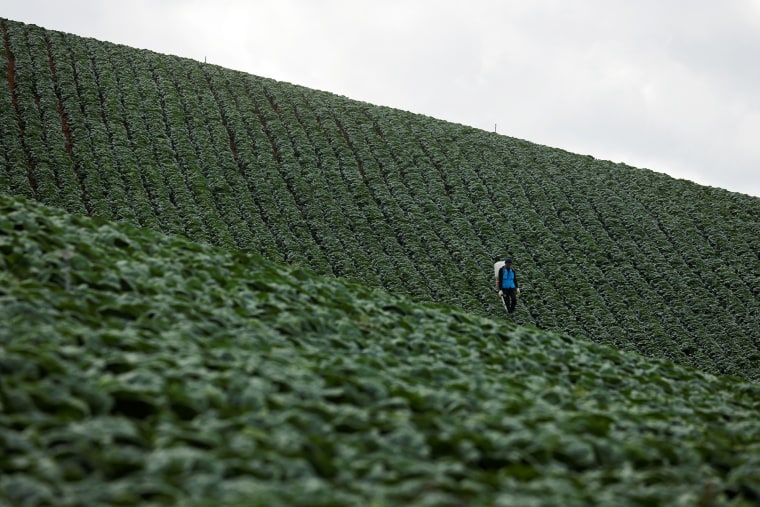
(506, 283)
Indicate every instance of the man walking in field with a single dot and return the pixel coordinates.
(506, 284)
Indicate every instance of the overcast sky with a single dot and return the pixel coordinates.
(667, 85)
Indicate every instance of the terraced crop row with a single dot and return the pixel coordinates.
(415, 205)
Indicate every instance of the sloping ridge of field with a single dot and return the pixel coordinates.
(414, 205)
(138, 368)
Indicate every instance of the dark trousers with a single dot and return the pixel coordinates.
(510, 299)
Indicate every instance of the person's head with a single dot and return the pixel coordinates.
(508, 261)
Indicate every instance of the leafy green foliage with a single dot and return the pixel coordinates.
(138, 369)
(404, 202)
(142, 369)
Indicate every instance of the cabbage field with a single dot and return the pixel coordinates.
(142, 369)
(625, 256)
(221, 289)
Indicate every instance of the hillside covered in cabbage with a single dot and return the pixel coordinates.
(220, 289)
(418, 206)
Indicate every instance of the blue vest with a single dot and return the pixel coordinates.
(508, 278)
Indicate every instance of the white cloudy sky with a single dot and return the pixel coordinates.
(668, 85)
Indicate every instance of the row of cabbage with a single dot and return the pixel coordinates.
(413, 204)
